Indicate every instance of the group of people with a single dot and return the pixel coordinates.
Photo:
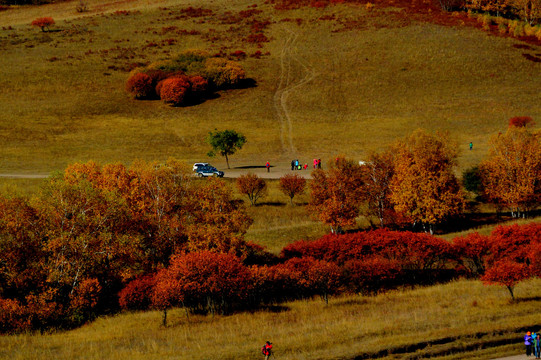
(533, 344)
(296, 165)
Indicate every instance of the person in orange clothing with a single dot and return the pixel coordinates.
(267, 350)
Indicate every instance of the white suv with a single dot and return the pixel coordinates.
(198, 165)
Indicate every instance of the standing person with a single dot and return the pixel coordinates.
(267, 165)
(534, 344)
(267, 350)
(297, 164)
(528, 343)
(315, 163)
(471, 145)
(538, 346)
(319, 163)
(292, 164)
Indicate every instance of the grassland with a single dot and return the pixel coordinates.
(342, 80)
(349, 84)
(459, 320)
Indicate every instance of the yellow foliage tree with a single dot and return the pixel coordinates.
(424, 186)
(511, 175)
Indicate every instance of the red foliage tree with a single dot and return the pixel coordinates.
(471, 251)
(174, 90)
(513, 256)
(292, 185)
(506, 273)
(521, 121)
(43, 23)
(371, 275)
(205, 281)
(314, 277)
(137, 294)
(252, 186)
(140, 85)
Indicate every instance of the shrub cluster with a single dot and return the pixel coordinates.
(365, 262)
(187, 78)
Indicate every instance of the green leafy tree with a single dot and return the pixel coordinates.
(225, 142)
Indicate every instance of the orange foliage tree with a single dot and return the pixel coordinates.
(217, 222)
(337, 193)
(252, 186)
(511, 176)
(292, 185)
(424, 186)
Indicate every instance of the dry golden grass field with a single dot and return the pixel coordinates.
(463, 318)
(340, 80)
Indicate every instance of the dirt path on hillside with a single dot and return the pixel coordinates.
(286, 85)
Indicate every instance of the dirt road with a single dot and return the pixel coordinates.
(275, 173)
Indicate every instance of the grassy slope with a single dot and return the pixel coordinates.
(452, 318)
(346, 92)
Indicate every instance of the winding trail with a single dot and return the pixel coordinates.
(286, 86)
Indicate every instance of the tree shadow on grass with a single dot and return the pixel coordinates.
(246, 84)
(272, 308)
(271, 203)
(251, 167)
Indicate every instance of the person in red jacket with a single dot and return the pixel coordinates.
(267, 165)
(267, 350)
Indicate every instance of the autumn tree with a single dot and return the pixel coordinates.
(252, 186)
(81, 223)
(314, 277)
(216, 222)
(424, 186)
(513, 255)
(471, 252)
(511, 176)
(23, 252)
(506, 273)
(43, 23)
(337, 193)
(379, 172)
(225, 142)
(521, 121)
(292, 185)
(206, 281)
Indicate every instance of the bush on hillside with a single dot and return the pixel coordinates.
(140, 86)
(198, 70)
(223, 73)
(174, 90)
